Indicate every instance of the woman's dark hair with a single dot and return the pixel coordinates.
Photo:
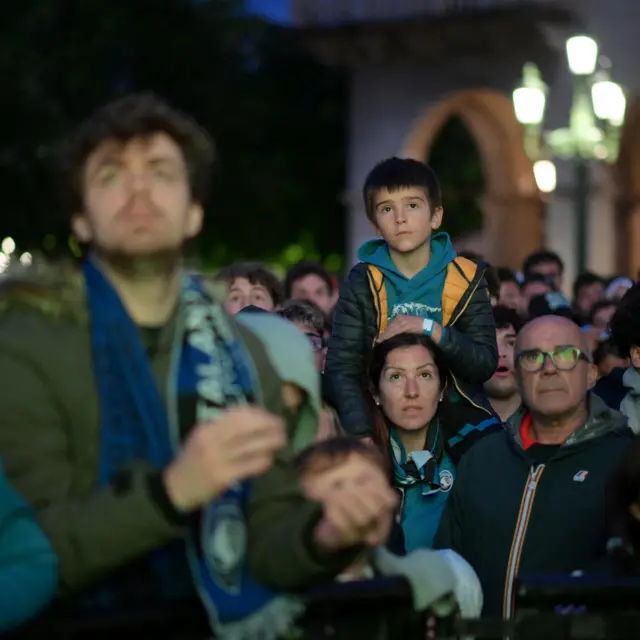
(380, 427)
(305, 312)
(623, 529)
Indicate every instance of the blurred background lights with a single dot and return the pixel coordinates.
(8, 246)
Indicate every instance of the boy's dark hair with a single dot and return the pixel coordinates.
(505, 317)
(585, 279)
(625, 328)
(303, 269)
(304, 312)
(507, 275)
(540, 257)
(139, 115)
(334, 450)
(255, 273)
(399, 173)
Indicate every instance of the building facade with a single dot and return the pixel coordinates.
(413, 64)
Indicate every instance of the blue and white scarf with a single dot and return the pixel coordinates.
(209, 363)
(421, 467)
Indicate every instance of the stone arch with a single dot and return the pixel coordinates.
(628, 183)
(513, 225)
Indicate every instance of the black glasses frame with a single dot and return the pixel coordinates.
(552, 355)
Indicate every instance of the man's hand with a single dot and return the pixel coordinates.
(409, 324)
(240, 444)
(358, 509)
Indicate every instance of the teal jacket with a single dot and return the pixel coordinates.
(28, 565)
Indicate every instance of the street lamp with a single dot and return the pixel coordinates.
(544, 172)
(597, 114)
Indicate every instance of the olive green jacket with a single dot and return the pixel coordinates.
(49, 444)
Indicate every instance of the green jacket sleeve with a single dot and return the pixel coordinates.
(91, 532)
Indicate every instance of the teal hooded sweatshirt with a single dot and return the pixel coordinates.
(418, 296)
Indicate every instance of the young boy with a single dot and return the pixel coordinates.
(408, 280)
(438, 579)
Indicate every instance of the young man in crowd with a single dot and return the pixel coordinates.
(534, 285)
(408, 280)
(510, 294)
(588, 289)
(250, 284)
(502, 388)
(531, 499)
(309, 280)
(547, 264)
(601, 314)
(135, 410)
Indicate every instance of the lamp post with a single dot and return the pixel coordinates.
(597, 114)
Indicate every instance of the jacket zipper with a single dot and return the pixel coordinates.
(518, 539)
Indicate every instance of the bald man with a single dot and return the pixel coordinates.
(531, 499)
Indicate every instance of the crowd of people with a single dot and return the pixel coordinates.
(190, 455)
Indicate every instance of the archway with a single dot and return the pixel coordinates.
(512, 207)
(628, 205)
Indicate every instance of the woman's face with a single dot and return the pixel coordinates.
(409, 387)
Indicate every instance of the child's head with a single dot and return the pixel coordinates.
(404, 203)
(250, 283)
(327, 466)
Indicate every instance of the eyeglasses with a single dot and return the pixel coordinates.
(563, 358)
(317, 342)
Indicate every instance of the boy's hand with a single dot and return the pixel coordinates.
(409, 324)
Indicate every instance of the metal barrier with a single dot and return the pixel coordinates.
(549, 608)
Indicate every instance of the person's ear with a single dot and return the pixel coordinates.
(81, 228)
(436, 218)
(195, 217)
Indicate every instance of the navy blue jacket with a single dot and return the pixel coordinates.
(507, 516)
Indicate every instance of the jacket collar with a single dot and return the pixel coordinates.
(601, 421)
